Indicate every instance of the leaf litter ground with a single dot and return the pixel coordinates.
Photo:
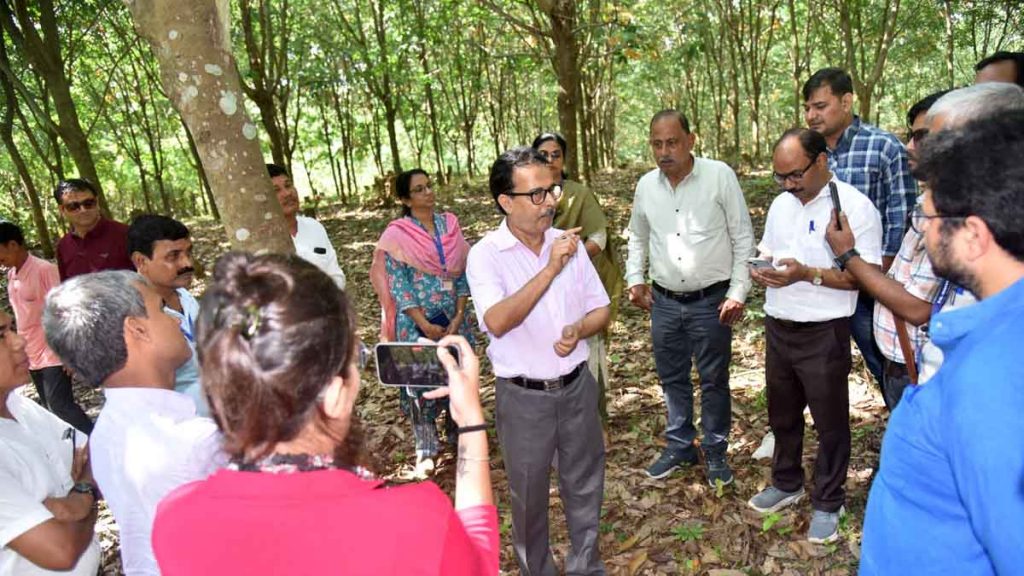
(677, 525)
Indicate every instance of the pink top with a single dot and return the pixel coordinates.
(27, 289)
(499, 265)
(323, 522)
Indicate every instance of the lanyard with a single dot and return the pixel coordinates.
(940, 300)
(440, 248)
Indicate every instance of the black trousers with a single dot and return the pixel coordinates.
(808, 364)
(56, 393)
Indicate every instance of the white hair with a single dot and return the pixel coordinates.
(965, 104)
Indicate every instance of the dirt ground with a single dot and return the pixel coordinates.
(678, 525)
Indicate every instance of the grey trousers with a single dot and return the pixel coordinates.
(532, 425)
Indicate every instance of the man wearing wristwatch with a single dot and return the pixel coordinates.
(808, 304)
(47, 501)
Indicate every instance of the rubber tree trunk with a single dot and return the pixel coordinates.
(191, 43)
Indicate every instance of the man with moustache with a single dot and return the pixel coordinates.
(161, 250)
(911, 292)
(689, 215)
(949, 498)
(872, 161)
(309, 236)
(94, 243)
(539, 298)
(808, 304)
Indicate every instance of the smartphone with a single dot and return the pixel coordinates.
(411, 364)
(759, 264)
(834, 191)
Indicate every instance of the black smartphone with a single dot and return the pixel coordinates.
(411, 364)
(834, 191)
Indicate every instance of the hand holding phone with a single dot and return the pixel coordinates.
(463, 390)
(759, 264)
(412, 364)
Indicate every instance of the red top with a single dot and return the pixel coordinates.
(323, 522)
(105, 247)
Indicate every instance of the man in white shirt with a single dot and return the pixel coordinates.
(690, 216)
(309, 236)
(148, 439)
(808, 304)
(161, 250)
(47, 505)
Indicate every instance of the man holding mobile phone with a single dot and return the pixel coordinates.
(808, 304)
(538, 297)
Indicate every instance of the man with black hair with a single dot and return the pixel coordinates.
(948, 497)
(872, 161)
(1001, 67)
(29, 279)
(161, 250)
(309, 236)
(93, 243)
(808, 305)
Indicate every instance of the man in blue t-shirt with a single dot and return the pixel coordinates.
(949, 496)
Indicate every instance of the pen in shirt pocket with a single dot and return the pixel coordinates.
(71, 434)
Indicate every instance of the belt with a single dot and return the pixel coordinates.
(798, 325)
(685, 297)
(553, 384)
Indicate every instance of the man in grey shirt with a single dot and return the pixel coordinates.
(690, 217)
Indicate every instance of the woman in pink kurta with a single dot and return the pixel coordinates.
(280, 364)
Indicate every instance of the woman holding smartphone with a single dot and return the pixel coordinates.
(280, 364)
(419, 274)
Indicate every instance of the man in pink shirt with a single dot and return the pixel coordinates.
(28, 281)
(539, 301)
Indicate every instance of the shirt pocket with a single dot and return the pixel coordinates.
(704, 225)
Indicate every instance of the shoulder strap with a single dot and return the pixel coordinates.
(906, 348)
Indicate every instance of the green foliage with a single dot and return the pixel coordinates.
(689, 532)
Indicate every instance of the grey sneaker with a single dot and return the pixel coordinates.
(824, 526)
(670, 460)
(771, 499)
(718, 469)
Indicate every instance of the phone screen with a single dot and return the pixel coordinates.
(411, 364)
(759, 264)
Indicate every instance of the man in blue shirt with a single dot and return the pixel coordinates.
(949, 496)
(872, 161)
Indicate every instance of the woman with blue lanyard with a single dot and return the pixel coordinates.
(419, 274)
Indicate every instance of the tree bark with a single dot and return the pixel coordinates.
(191, 43)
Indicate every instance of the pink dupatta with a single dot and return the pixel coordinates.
(408, 243)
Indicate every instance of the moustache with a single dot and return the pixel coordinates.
(548, 213)
(187, 270)
(665, 160)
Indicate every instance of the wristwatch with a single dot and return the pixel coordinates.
(85, 488)
(817, 280)
(845, 257)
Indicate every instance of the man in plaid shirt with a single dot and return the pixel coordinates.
(871, 160)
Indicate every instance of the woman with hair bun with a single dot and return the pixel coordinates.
(280, 363)
(419, 274)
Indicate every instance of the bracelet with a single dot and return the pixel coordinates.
(470, 459)
(475, 428)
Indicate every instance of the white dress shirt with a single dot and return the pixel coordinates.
(35, 464)
(147, 442)
(797, 230)
(698, 233)
(314, 246)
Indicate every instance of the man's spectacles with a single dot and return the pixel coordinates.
(538, 195)
(916, 136)
(88, 204)
(918, 219)
(794, 175)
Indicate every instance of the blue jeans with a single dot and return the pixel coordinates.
(680, 333)
(862, 328)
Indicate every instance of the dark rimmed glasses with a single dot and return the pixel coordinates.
(918, 218)
(780, 179)
(87, 204)
(538, 195)
(916, 136)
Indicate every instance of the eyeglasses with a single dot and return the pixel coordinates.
(551, 156)
(422, 188)
(794, 175)
(538, 195)
(918, 219)
(916, 136)
(88, 204)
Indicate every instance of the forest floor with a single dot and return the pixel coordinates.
(677, 525)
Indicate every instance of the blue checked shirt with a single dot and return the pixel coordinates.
(875, 162)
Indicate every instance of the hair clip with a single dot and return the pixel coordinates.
(250, 324)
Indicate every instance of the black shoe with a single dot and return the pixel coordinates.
(670, 460)
(718, 470)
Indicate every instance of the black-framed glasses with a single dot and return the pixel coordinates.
(794, 175)
(916, 136)
(918, 218)
(537, 195)
(87, 204)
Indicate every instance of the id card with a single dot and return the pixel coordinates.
(447, 284)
